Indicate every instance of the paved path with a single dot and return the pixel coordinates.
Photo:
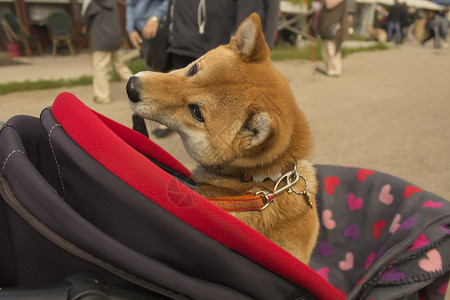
(390, 111)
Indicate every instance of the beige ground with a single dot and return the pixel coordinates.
(390, 111)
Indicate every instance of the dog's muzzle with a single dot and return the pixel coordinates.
(133, 88)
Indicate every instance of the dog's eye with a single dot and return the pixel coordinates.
(193, 70)
(197, 112)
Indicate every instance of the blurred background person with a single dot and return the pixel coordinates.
(413, 16)
(436, 29)
(332, 26)
(101, 20)
(396, 15)
(143, 18)
(442, 25)
(198, 26)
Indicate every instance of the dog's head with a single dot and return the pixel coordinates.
(231, 107)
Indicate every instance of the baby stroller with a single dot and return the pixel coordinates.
(94, 210)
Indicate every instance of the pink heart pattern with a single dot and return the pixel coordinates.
(353, 202)
(419, 242)
(443, 289)
(324, 272)
(347, 264)
(370, 260)
(433, 261)
(432, 204)
(376, 213)
(385, 195)
(327, 219)
(395, 223)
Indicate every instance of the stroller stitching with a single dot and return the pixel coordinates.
(56, 161)
(9, 155)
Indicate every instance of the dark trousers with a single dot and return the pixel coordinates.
(154, 55)
(180, 61)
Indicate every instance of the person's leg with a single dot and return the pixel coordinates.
(429, 36)
(121, 69)
(398, 33)
(325, 53)
(437, 37)
(146, 44)
(100, 81)
(334, 66)
(390, 24)
(443, 36)
(410, 33)
(337, 64)
(332, 61)
(443, 29)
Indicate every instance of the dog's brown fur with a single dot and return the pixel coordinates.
(251, 124)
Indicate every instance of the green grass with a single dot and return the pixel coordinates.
(377, 47)
(12, 87)
(137, 65)
(292, 52)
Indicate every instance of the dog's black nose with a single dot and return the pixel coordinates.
(133, 88)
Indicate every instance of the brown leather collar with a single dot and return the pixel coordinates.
(260, 200)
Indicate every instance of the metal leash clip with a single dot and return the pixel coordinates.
(289, 179)
(267, 198)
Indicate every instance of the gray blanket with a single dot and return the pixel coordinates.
(381, 237)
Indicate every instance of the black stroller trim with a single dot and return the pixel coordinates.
(75, 287)
(14, 203)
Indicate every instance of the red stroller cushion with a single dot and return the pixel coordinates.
(115, 147)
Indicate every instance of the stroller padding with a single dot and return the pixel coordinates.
(101, 188)
(115, 154)
(109, 200)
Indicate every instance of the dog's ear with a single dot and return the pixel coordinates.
(249, 40)
(258, 130)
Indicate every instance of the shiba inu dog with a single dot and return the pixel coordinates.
(237, 117)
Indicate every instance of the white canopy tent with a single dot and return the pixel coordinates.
(423, 4)
(365, 13)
